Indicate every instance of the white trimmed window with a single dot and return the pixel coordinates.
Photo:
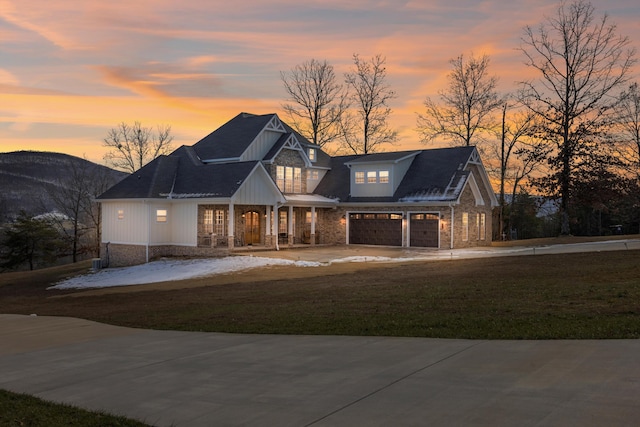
(384, 177)
(372, 177)
(120, 213)
(312, 154)
(220, 223)
(208, 220)
(282, 222)
(161, 215)
(289, 179)
(313, 174)
(280, 177)
(465, 226)
(483, 228)
(359, 177)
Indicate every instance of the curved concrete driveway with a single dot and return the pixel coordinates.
(207, 379)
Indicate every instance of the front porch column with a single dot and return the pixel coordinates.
(313, 226)
(267, 225)
(274, 225)
(290, 226)
(232, 221)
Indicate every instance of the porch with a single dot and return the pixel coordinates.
(253, 226)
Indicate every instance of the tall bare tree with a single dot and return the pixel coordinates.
(466, 106)
(628, 127)
(516, 162)
(133, 146)
(367, 129)
(580, 61)
(317, 101)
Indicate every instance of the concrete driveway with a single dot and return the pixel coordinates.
(169, 378)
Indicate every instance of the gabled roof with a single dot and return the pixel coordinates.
(434, 175)
(180, 175)
(231, 139)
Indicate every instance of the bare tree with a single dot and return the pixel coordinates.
(581, 61)
(367, 129)
(316, 101)
(79, 218)
(133, 146)
(466, 107)
(515, 135)
(628, 127)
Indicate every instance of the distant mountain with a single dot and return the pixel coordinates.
(27, 179)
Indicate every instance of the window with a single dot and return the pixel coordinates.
(289, 179)
(308, 217)
(313, 174)
(220, 223)
(208, 220)
(359, 177)
(280, 177)
(282, 222)
(312, 154)
(297, 180)
(161, 215)
(483, 229)
(120, 214)
(384, 177)
(372, 177)
(465, 226)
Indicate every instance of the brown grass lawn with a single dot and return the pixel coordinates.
(574, 296)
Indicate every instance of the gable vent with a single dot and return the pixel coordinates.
(275, 125)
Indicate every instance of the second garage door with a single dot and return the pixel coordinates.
(375, 229)
(424, 230)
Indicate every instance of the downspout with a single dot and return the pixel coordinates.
(452, 223)
(148, 228)
(275, 224)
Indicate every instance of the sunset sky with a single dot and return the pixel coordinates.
(71, 70)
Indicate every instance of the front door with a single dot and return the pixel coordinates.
(252, 228)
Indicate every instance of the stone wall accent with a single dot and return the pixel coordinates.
(127, 255)
(288, 157)
(468, 204)
(115, 255)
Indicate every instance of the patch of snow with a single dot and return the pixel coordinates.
(169, 270)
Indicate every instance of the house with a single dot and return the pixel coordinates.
(255, 182)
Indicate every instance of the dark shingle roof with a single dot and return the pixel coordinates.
(431, 174)
(180, 175)
(232, 138)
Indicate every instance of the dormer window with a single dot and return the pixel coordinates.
(359, 177)
(312, 154)
(384, 177)
(372, 177)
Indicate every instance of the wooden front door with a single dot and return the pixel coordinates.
(252, 228)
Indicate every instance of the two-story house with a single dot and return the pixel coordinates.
(256, 182)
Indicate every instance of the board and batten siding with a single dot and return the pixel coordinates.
(131, 228)
(258, 189)
(260, 146)
(184, 223)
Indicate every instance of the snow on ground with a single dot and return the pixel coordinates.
(170, 269)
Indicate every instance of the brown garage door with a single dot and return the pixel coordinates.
(375, 229)
(424, 230)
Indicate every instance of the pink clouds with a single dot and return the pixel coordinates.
(195, 64)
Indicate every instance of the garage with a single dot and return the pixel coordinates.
(423, 230)
(383, 229)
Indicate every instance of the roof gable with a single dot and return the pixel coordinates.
(232, 139)
(287, 141)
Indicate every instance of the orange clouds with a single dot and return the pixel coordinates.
(71, 70)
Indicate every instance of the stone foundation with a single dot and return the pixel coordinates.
(126, 255)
